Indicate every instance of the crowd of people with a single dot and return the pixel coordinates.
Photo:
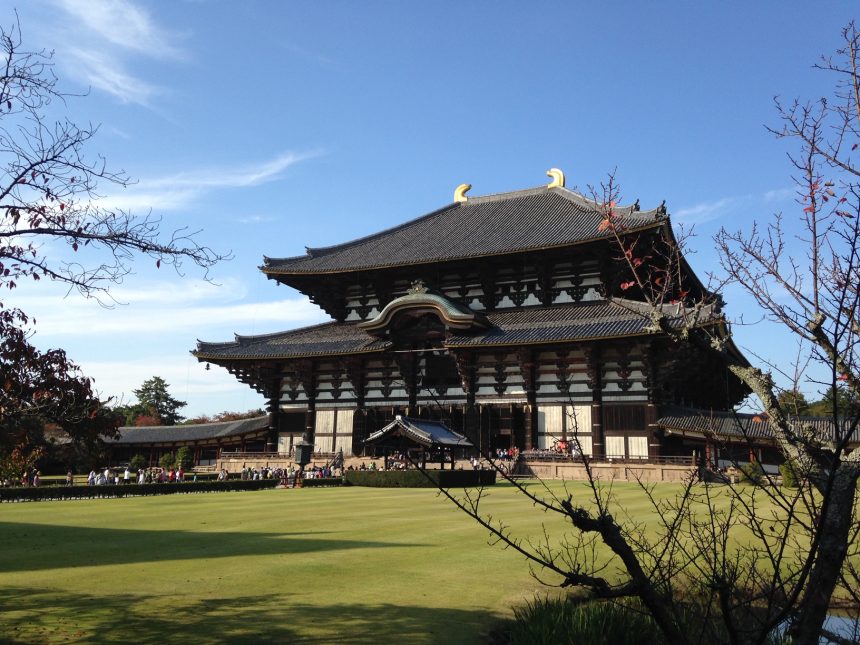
(154, 475)
(30, 477)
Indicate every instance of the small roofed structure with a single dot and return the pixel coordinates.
(417, 439)
(205, 440)
(731, 437)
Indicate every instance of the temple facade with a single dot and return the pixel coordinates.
(510, 317)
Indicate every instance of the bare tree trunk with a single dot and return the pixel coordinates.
(834, 529)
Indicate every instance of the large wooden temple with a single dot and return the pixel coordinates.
(506, 316)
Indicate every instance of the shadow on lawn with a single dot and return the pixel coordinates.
(33, 547)
(42, 615)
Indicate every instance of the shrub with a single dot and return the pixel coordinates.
(752, 473)
(167, 461)
(138, 462)
(419, 479)
(184, 458)
(322, 481)
(790, 474)
(564, 622)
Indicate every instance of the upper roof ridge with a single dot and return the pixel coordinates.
(537, 209)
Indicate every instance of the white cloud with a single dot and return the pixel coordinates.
(208, 391)
(255, 219)
(780, 194)
(102, 71)
(109, 35)
(122, 24)
(179, 190)
(707, 211)
(149, 315)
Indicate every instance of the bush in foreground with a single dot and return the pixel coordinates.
(603, 622)
(563, 622)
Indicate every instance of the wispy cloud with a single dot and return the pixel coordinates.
(177, 191)
(187, 378)
(256, 219)
(100, 70)
(757, 204)
(109, 36)
(780, 194)
(167, 309)
(123, 24)
(707, 211)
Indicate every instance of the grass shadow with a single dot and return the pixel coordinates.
(34, 547)
(47, 616)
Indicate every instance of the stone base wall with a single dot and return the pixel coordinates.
(606, 471)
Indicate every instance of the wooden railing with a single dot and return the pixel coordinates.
(249, 456)
(550, 455)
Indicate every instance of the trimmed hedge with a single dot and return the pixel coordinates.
(322, 481)
(129, 490)
(418, 479)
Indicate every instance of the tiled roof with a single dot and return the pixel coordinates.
(751, 426)
(328, 339)
(496, 224)
(583, 321)
(182, 433)
(560, 323)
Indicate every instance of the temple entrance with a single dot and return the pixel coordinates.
(502, 427)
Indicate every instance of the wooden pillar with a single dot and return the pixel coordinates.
(654, 443)
(355, 373)
(594, 371)
(274, 409)
(528, 369)
(467, 369)
(307, 377)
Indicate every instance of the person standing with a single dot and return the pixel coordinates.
(126, 475)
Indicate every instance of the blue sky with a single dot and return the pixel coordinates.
(276, 125)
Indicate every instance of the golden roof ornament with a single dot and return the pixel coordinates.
(557, 178)
(460, 192)
(417, 287)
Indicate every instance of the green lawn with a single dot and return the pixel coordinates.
(311, 565)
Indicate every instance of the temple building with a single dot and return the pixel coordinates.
(509, 317)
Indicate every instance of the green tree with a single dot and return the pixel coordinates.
(794, 402)
(184, 458)
(153, 397)
(839, 400)
(138, 462)
(168, 460)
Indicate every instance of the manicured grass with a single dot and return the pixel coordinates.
(309, 565)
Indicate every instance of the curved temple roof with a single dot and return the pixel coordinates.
(532, 219)
(430, 434)
(533, 325)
